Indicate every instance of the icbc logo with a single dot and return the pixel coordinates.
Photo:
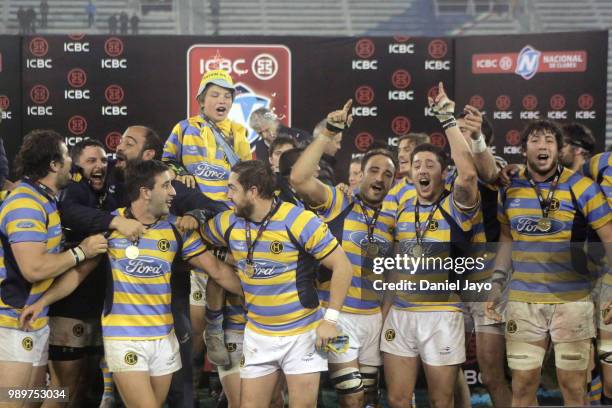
(113, 47)
(557, 102)
(503, 102)
(77, 77)
(513, 137)
(264, 67)
(77, 125)
(114, 94)
(364, 48)
(76, 36)
(401, 38)
(363, 141)
(477, 101)
(39, 47)
(585, 101)
(364, 95)
(401, 79)
(112, 140)
(39, 94)
(438, 139)
(4, 102)
(437, 48)
(530, 102)
(400, 125)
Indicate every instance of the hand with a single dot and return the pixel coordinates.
(131, 229)
(94, 245)
(340, 118)
(29, 314)
(187, 223)
(325, 332)
(344, 189)
(473, 121)
(188, 180)
(442, 107)
(494, 299)
(607, 309)
(507, 173)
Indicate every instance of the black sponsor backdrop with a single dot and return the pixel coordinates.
(10, 93)
(487, 88)
(388, 78)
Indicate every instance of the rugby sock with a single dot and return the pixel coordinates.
(214, 319)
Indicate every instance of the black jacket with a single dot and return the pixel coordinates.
(302, 137)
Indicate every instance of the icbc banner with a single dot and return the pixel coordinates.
(261, 74)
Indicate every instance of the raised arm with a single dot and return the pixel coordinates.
(483, 158)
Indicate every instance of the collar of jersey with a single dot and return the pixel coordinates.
(40, 188)
(274, 211)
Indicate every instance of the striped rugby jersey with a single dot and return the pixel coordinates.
(447, 236)
(397, 196)
(28, 214)
(192, 143)
(280, 296)
(137, 306)
(547, 267)
(599, 168)
(347, 223)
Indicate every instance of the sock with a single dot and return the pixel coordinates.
(108, 380)
(214, 319)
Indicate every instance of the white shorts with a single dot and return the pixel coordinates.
(475, 319)
(158, 357)
(25, 347)
(67, 332)
(263, 355)
(437, 337)
(233, 343)
(364, 339)
(197, 296)
(606, 295)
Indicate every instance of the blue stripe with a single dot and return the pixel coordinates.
(136, 331)
(355, 303)
(276, 310)
(318, 315)
(268, 290)
(206, 188)
(233, 326)
(542, 267)
(138, 310)
(142, 288)
(549, 288)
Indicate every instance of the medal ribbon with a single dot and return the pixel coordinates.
(418, 231)
(262, 228)
(370, 222)
(545, 204)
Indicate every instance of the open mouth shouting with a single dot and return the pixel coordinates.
(96, 178)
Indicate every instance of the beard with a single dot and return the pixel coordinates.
(119, 174)
(542, 171)
(245, 211)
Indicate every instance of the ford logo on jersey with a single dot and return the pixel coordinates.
(264, 268)
(529, 226)
(209, 172)
(119, 243)
(360, 238)
(144, 267)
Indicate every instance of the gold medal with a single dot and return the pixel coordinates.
(416, 250)
(249, 269)
(372, 249)
(132, 252)
(544, 224)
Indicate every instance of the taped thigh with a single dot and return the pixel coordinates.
(604, 348)
(573, 356)
(524, 356)
(369, 378)
(347, 380)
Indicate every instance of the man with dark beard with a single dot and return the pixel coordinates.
(544, 214)
(364, 229)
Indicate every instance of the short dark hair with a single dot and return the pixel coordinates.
(77, 149)
(142, 174)
(378, 152)
(579, 135)
(287, 160)
(39, 148)
(428, 147)
(152, 141)
(279, 141)
(417, 138)
(256, 173)
(357, 160)
(542, 125)
(486, 128)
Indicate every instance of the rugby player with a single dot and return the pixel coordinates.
(140, 344)
(544, 214)
(578, 146)
(280, 145)
(364, 230)
(425, 324)
(31, 235)
(276, 247)
(355, 175)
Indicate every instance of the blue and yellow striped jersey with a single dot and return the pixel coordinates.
(446, 238)
(192, 143)
(599, 168)
(345, 217)
(28, 214)
(280, 294)
(138, 306)
(550, 267)
(397, 196)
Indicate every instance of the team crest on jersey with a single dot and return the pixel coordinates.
(130, 358)
(511, 326)
(433, 225)
(78, 330)
(27, 343)
(390, 335)
(163, 245)
(231, 347)
(144, 267)
(529, 226)
(276, 247)
(555, 204)
(197, 295)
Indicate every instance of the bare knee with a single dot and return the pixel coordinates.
(355, 400)
(399, 400)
